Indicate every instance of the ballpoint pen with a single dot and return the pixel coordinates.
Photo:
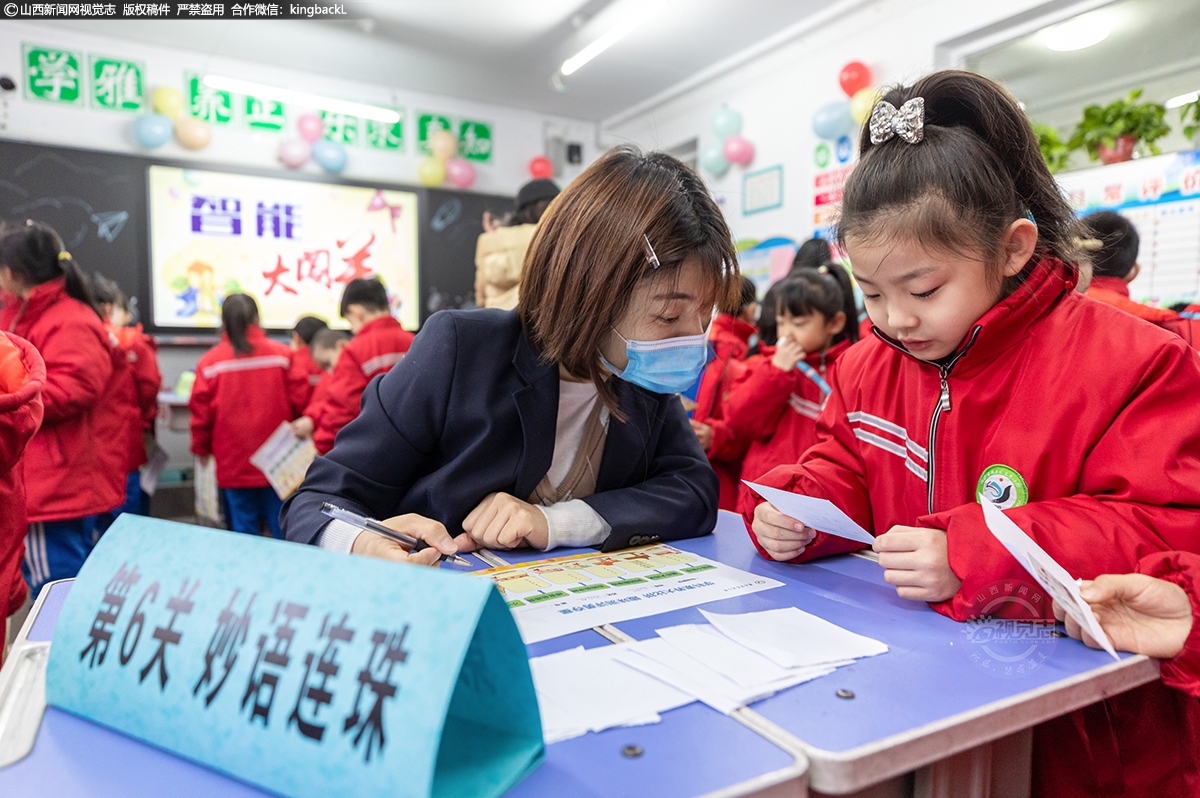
(341, 514)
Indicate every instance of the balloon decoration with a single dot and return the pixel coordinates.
(460, 172)
(310, 127)
(854, 77)
(541, 168)
(168, 101)
(152, 130)
(863, 103)
(832, 121)
(195, 134)
(294, 153)
(431, 172)
(443, 145)
(329, 155)
(732, 147)
(713, 160)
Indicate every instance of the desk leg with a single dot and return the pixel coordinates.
(1000, 769)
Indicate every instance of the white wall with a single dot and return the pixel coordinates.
(778, 93)
(518, 135)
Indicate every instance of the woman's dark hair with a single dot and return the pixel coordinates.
(238, 312)
(812, 253)
(768, 329)
(369, 294)
(589, 255)
(749, 294)
(825, 290)
(308, 326)
(1119, 241)
(977, 170)
(36, 255)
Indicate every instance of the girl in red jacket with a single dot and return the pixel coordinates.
(776, 401)
(242, 394)
(46, 301)
(989, 378)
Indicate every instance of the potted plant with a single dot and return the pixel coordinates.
(1109, 132)
(1191, 110)
(1055, 151)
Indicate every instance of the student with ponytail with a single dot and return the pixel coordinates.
(46, 300)
(989, 378)
(242, 394)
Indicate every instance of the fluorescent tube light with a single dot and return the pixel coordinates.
(594, 49)
(301, 98)
(1077, 34)
(1183, 99)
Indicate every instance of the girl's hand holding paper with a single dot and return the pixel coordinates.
(782, 536)
(916, 562)
(1140, 614)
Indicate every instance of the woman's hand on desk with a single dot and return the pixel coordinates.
(782, 536)
(917, 563)
(1138, 612)
(502, 521)
(370, 544)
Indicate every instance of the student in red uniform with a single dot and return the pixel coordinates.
(991, 379)
(304, 370)
(22, 377)
(1115, 265)
(241, 396)
(46, 300)
(326, 346)
(379, 343)
(775, 402)
(729, 336)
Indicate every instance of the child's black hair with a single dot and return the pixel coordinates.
(370, 294)
(1118, 252)
(813, 253)
(326, 338)
(749, 294)
(238, 313)
(768, 328)
(825, 290)
(308, 326)
(106, 291)
(976, 171)
(36, 255)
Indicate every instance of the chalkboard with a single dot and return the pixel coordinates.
(96, 201)
(451, 222)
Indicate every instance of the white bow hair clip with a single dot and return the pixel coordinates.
(908, 122)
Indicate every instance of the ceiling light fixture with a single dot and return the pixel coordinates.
(1077, 34)
(301, 98)
(1183, 99)
(594, 49)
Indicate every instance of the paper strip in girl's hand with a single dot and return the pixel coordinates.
(819, 514)
(1053, 578)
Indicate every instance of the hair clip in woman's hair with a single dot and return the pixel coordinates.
(64, 255)
(653, 258)
(907, 122)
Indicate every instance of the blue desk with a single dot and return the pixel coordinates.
(693, 751)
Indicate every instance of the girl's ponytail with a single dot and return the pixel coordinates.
(842, 276)
(238, 313)
(34, 252)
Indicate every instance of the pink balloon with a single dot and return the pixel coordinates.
(738, 150)
(460, 172)
(311, 127)
(294, 152)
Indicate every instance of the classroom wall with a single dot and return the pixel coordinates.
(778, 93)
(518, 135)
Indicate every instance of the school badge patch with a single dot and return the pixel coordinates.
(1003, 487)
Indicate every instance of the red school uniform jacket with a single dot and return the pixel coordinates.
(777, 410)
(1115, 291)
(64, 474)
(730, 339)
(141, 351)
(1097, 456)
(379, 345)
(237, 402)
(117, 419)
(1181, 568)
(305, 373)
(22, 378)
(1186, 326)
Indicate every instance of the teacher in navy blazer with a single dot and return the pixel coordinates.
(557, 423)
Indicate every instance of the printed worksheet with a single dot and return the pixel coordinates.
(284, 459)
(552, 598)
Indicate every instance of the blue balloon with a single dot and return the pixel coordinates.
(833, 120)
(152, 130)
(726, 122)
(712, 158)
(329, 155)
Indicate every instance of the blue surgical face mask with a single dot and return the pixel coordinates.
(667, 366)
